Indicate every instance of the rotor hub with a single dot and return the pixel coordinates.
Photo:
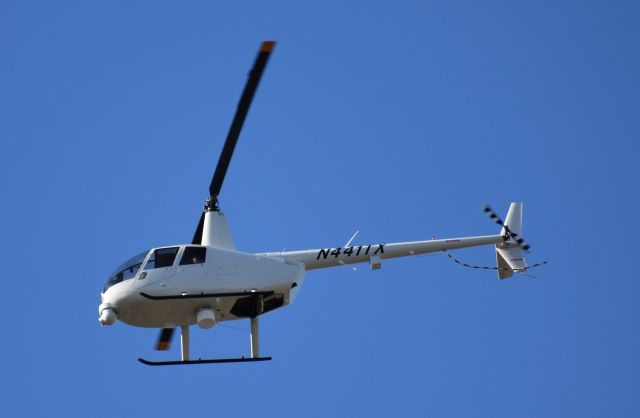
(211, 204)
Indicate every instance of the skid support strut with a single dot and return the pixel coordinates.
(255, 338)
(184, 342)
(184, 339)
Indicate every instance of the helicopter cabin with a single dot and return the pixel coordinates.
(157, 258)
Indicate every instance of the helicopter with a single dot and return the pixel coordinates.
(209, 281)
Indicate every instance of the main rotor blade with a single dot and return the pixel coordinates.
(165, 339)
(197, 236)
(241, 114)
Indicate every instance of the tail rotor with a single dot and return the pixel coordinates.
(511, 229)
(510, 257)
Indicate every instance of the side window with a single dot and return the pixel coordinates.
(193, 255)
(162, 257)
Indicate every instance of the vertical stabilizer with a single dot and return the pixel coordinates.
(514, 219)
(510, 260)
(509, 254)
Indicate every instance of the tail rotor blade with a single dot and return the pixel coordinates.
(516, 237)
(492, 215)
(164, 340)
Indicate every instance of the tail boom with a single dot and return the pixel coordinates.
(375, 253)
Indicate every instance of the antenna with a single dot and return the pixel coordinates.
(348, 244)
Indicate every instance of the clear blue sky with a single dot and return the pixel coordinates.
(398, 119)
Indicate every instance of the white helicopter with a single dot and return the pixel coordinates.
(209, 281)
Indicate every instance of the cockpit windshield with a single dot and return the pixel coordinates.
(126, 270)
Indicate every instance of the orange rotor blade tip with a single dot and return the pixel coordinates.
(162, 346)
(267, 46)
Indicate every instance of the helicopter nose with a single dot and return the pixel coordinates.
(113, 299)
(107, 314)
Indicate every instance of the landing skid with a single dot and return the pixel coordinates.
(201, 361)
(184, 340)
